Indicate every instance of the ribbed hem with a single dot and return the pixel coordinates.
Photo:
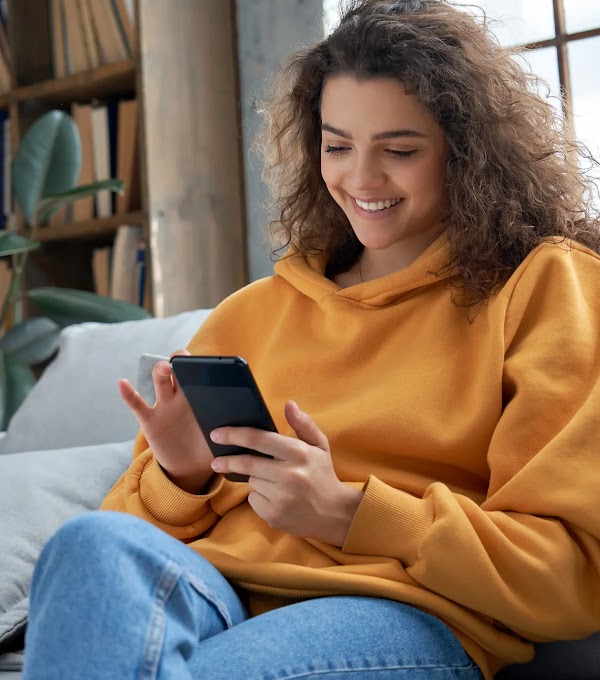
(389, 523)
(170, 504)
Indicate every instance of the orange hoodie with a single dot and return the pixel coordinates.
(476, 442)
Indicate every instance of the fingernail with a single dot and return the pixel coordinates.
(216, 435)
(217, 465)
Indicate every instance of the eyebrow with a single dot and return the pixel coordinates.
(390, 134)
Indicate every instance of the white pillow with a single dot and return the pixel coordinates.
(76, 401)
(40, 490)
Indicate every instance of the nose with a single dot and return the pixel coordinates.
(366, 173)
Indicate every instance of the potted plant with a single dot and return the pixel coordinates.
(44, 173)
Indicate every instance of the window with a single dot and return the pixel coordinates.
(330, 15)
(563, 41)
(562, 38)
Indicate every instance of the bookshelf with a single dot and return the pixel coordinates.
(91, 228)
(105, 80)
(189, 165)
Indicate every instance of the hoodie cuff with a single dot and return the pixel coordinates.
(389, 523)
(170, 504)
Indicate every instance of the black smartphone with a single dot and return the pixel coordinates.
(222, 391)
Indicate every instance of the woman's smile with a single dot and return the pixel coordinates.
(383, 210)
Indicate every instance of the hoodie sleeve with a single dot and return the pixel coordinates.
(529, 556)
(144, 489)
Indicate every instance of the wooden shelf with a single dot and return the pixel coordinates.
(177, 140)
(109, 79)
(89, 229)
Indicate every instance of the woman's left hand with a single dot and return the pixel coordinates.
(297, 490)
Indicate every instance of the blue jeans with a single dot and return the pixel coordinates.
(113, 597)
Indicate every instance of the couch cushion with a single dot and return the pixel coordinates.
(76, 401)
(40, 490)
(573, 660)
(7, 675)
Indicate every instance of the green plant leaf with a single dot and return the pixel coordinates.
(11, 244)
(50, 204)
(47, 161)
(31, 341)
(18, 381)
(66, 306)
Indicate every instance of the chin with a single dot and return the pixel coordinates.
(379, 241)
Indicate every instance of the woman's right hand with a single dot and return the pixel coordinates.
(171, 429)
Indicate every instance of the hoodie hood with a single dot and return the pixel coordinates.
(307, 275)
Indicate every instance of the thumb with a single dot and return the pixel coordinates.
(305, 427)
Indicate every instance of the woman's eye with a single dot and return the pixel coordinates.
(395, 153)
(401, 154)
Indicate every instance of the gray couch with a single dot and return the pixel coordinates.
(71, 440)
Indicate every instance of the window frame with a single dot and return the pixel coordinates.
(561, 41)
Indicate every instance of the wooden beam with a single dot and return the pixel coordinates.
(563, 62)
(565, 38)
(190, 107)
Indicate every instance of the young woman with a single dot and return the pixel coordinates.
(429, 347)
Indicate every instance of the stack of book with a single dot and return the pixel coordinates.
(120, 272)
(89, 33)
(109, 149)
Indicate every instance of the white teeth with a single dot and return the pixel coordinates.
(373, 207)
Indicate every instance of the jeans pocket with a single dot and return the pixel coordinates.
(212, 597)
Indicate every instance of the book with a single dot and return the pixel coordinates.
(101, 263)
(140, 273)
(83, 209)
(127, 155)
(125, 23)
(112, 110)
(3, 117)
(4, 46)
(90, 40)
(5, 63)
(130, 10)
(5, 274)
(124, 271)
(4, 76)
(111, 43)
(76, 53)
(101, 157)
(58, 39)
(7, 185)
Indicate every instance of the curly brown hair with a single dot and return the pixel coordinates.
(513, 174)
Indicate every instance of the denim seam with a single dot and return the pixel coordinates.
(430, 668)
(156, 627)
(210, 595)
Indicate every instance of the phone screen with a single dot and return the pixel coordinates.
(219, 406)
(221, 391)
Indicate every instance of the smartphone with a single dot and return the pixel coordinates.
(222, 391)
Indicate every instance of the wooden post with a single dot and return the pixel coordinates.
(192, 167)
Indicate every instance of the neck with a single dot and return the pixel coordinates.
(373, 263)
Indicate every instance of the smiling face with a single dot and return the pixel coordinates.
(382, 159)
